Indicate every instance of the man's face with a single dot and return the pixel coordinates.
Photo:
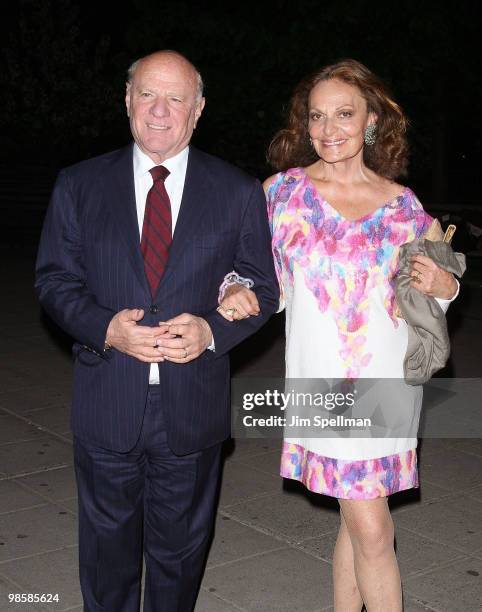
(163, 105)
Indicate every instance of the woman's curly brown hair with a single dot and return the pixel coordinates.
(388, 157)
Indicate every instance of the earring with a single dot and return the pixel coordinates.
(311, 141)
(370, 135)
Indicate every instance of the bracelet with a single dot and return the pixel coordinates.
(233, 278)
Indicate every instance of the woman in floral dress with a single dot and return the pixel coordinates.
(337, 219)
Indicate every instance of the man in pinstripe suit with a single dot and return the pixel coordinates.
(151, 374)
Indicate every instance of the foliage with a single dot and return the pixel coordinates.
(65, 61)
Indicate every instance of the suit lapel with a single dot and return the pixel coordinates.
(195, 199)
(121, 198)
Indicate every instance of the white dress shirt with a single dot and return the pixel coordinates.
(174, 184)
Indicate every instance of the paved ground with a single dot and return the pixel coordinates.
(273, 542)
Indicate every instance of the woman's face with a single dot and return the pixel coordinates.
(337, 118)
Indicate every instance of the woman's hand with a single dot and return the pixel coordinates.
(238, 303)
(432, 280)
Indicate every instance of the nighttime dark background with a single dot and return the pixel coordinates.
(63, 73)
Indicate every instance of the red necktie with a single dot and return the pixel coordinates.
(157, 228)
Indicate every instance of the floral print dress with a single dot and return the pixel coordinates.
(336, 281)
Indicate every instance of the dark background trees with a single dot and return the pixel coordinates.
(64, 61)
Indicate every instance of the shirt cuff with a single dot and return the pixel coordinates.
(212, 346)
(444, 304)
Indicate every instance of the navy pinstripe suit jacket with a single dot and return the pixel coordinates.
(90, 266)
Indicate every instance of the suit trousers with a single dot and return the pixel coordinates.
(149, 501)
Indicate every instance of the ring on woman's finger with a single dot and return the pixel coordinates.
(230, 311)
(417, 278)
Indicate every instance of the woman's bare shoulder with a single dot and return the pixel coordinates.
(392, 189)
(269, 181)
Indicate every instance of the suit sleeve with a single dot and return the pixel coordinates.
(253, 259)
(61, 282)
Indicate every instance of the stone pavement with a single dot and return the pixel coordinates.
(273, 542)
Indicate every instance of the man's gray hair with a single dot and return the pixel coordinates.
(200, 85)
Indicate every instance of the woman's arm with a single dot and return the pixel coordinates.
(432, 280)
(429, 278)
(239, 302)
